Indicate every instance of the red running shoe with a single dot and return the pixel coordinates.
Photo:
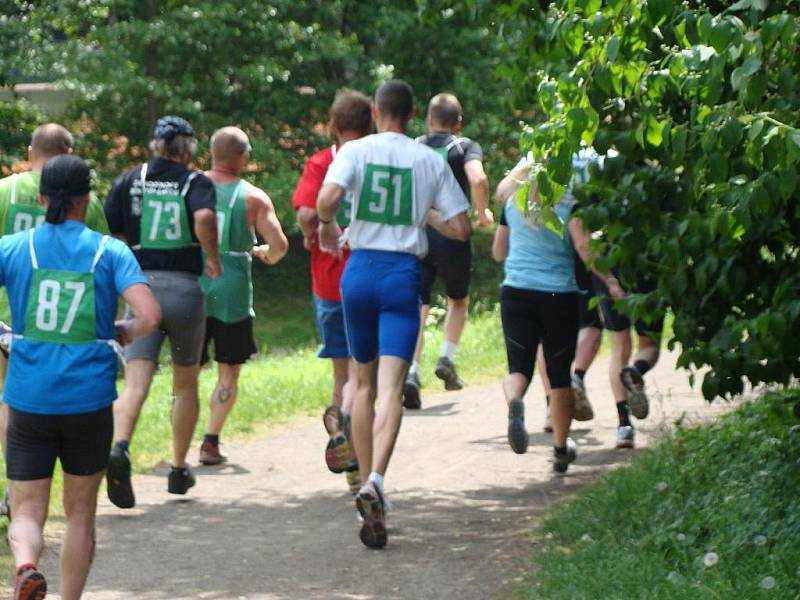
(31, 584)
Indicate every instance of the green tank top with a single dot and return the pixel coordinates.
(20, 200)
(230, 298)
(61, 305)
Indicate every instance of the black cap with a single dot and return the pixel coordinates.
(169, 126)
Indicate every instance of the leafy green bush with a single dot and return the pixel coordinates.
(700, 103)
(19, 119)
(711, 512)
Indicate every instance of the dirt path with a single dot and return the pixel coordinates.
(275, 524)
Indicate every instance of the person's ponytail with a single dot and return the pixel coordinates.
(64, 178)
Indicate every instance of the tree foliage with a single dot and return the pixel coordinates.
(270, 67)
(696, 106)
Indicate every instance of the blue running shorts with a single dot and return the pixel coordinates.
(381, 299)
(330, 324)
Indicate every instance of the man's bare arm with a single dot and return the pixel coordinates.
(456, 228)
(479, 191)
(205, 228)
(146, 314)
(307, 221)
(267, 226)
(580, 241)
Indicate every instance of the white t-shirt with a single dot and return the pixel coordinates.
(395, 181)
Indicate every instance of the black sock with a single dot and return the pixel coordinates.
(560, 451)
(642, 366)
(547, 400)
(214, 439)
(123, 444)
(580, 373)
(622, 411)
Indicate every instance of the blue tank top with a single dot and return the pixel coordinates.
(538, 258)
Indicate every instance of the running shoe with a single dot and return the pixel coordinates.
(517, 436)
(446, 371)
(583, 408)
(411, 397)
(179, 480)
(210, 454)
(353, 480)
(626, 437)
(338, 455)
(548, 421)
(118, 478)
(561, 461)
(637, 399)
(30, 585)
(369, 502)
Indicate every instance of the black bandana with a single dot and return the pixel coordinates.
(63, 178)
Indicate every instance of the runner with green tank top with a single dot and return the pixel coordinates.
(20, 210)
(242, 211)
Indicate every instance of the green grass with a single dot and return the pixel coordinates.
(711, 512)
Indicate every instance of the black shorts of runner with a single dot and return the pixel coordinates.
(529, 318)
(82, 443)
(233, 342)
(588, 317)
(451, 260)
(614, 320)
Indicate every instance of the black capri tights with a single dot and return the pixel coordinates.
(530, 317)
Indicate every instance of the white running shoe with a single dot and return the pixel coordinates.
(548, 422)
(626, 437)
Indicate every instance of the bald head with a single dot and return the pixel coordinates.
(444, 110)
(50, 139)
(229, 145)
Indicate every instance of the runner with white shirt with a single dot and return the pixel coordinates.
(398, 186)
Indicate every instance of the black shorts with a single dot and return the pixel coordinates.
(234, 343)
(530, 317)
(614, 320)
(82, 443)
(451, 260)
(588, 317)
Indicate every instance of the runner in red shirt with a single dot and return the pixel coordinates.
(350, 119)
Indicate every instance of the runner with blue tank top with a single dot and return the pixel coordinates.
(165, 212)
(242, 211)
(397, 186)
(539, 304)
(63, 282)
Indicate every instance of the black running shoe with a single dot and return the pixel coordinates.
(446, 371)
(561, 461)
(638, 403)
(517, 435)
(118, 478)
(179, 480)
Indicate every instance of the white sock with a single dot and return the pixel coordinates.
(449, 349)
(377, 479)
(414, 369)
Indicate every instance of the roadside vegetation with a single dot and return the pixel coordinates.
(710, 512)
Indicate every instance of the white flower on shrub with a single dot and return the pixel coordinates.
(768, 582)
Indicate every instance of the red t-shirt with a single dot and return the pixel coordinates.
(326, 269)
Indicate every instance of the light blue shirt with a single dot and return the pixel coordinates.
(63, 379)
(538, 258)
